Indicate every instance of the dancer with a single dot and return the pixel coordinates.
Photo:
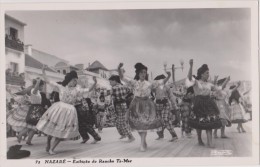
(17, 116)
(205, 110)
(221, 96)
(186, 112)
(142, 110)
(29, 119)
(86, 119)
(164, 97)
(119, 94)
(237, 110)
(101, 112)
(60, 120)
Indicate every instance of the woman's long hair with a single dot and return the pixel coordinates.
(234, 96)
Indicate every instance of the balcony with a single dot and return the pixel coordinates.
(15, 80)
(13, 43)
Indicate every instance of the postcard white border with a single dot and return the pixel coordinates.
(253, 5)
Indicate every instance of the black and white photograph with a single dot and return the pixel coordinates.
(130, 84)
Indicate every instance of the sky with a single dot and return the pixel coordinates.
(217, 37)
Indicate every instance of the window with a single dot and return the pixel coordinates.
(14, 67)
(64, 72)
(14, 33)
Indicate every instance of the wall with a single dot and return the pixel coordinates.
(11, 23)
(16, 57)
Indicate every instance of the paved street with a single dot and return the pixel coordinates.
(237, 145)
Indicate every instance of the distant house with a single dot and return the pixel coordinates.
(33, 69)
(43, 57)
(100, 69)
(64, 68)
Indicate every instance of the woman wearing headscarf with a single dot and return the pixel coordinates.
(205, 109)
(142, 110)
(221, 96)
(34, 110)
(60, 120)
(237, 110)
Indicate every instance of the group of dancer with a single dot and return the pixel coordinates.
(71, 115)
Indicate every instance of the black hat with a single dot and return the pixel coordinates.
(221, 81)
(190, 90)
(138, 68)
(201, 70)
(232, 87)
(159, 77)
(69, 76)
(115, 78)
(35, 81)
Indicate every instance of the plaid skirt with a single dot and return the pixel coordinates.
(206, 114)
(142, 114)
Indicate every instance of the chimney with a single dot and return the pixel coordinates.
(28, 49)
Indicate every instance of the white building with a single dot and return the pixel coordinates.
(43, 57)
(33, 68)
(14, 47)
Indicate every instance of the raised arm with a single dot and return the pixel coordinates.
(215, 80)
(44, 67)
(167, 78)
(94, 85)
(225, 82)
(239, 83)
(36, 87)
(190, 70)
(247, 92)
(121, 73)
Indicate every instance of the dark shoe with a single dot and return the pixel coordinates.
(173, 139)
(131, 139)
(159, 138)
(122, 137)
(29, 143)
(84, 141)
(201, 143)
(224, 137)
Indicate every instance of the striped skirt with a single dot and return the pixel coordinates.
(17, 119)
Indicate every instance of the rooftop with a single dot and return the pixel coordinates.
(31, 62)
(15, 20)
(96, 65)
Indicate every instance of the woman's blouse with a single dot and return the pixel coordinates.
(143, 88)
(35, 98)
(200, 87)
(69, 94)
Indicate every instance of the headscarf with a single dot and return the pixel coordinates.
(234, 96)
(221, 81)
(201, 70)
(190, 90)
(138, 68)
(115, 78)
(159, 77)
(69, 76)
